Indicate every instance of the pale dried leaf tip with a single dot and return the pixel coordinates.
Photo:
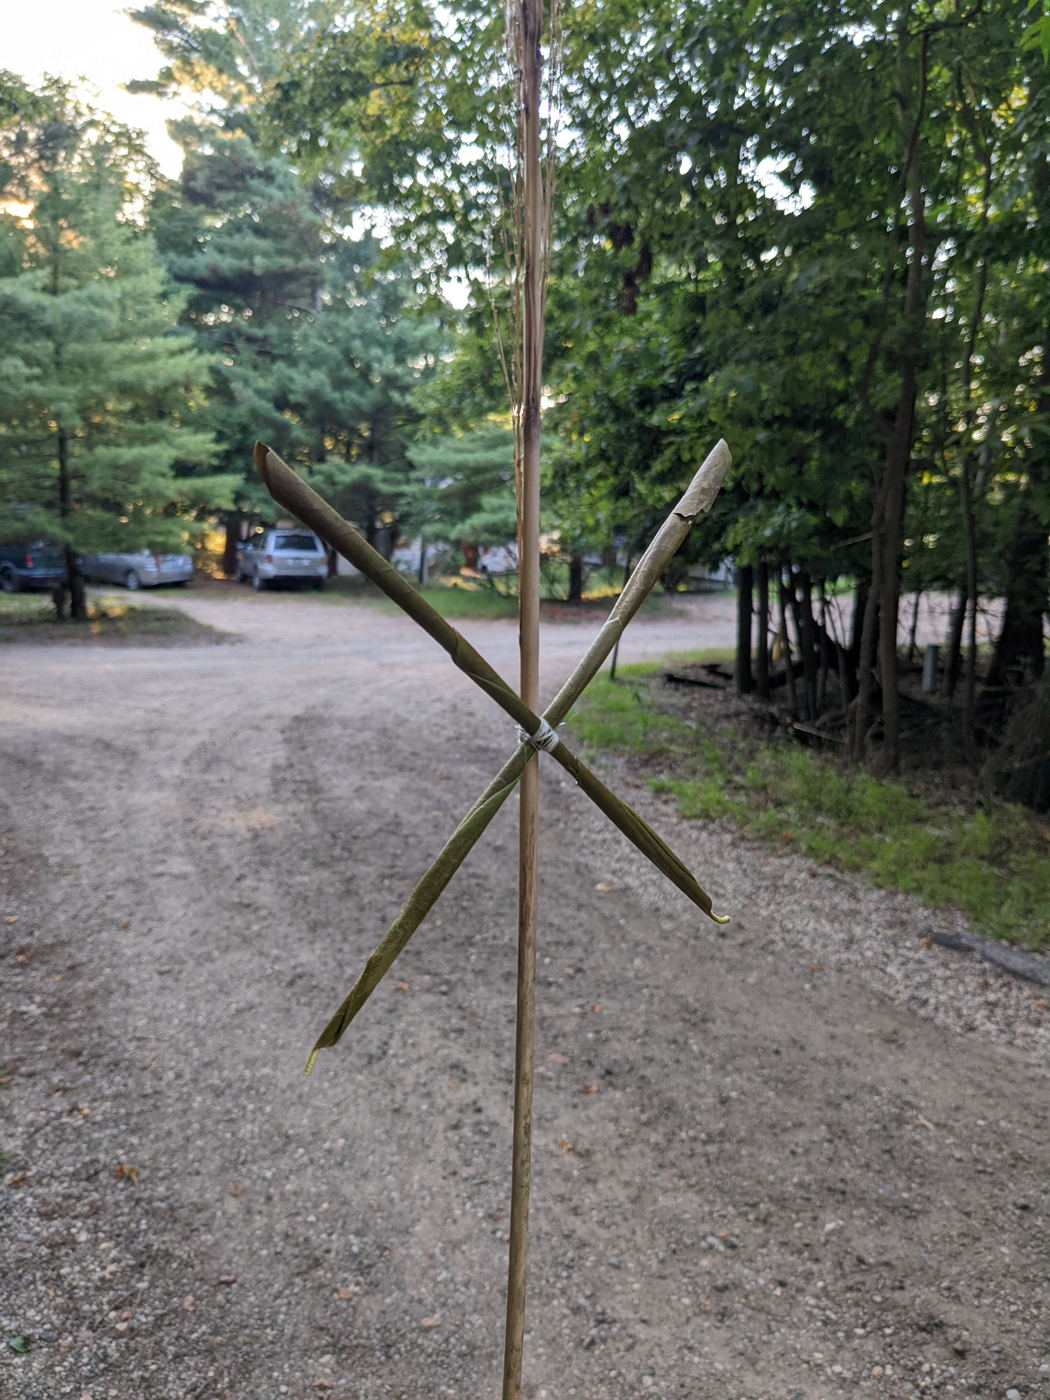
(705, 485)
(310, 1062)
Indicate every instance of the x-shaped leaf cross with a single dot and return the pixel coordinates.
(537, 732)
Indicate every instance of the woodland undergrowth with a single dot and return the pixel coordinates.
(987, 859)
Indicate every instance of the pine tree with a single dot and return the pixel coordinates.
(315, 339)
(99, 393)
(464, 487)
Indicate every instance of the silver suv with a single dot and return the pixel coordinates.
(283, 554)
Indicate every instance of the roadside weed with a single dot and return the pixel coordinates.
(992, 864)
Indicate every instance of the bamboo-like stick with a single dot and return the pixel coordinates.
(457, 848)
(527, 33)
(291, 492)
(300, 500)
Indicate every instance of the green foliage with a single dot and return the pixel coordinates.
(781, 225)
(464, 485)
(101, 439)
(316, 337)
(313, 348)
(992, 864)
(778, 224)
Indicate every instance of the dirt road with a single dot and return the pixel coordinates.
(766, 1165)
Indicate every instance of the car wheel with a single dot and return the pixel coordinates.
(318, 585)
(8, 581)
(132, 582)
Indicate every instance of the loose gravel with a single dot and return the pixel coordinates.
(807, 1158)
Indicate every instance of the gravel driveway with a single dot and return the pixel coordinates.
(806, 1160)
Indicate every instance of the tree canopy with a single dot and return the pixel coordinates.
(101, 443)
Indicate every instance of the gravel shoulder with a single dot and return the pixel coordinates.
(805, 1159)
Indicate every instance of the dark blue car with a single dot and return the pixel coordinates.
(27, 566)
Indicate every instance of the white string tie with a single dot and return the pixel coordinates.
(545, 739)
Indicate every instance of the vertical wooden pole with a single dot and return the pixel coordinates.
(531, 20)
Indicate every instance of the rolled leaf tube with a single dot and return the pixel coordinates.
(424, 897)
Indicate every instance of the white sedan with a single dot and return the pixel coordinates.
(142, 570)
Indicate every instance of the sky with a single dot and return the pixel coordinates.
(95, 40)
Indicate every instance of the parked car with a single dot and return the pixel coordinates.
(283, 554)
(27, 566)
(141, 570)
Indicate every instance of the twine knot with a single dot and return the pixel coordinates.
(545, 739)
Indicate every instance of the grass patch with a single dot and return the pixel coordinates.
(463, 599)
(31, 618)
(991, 863)
(454, 601)
(452, 597)
(17, 608)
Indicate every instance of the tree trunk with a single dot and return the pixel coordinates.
(898, 453)
(389, 536)
(966, 493)
(887, 531)
(745, 583)
(953, 651)
(762, 650)
(74, 580)
(842, 656)
(575, 579)
(860, 603)
(1019, 649)
(229, 551)
(371, 512)
(789, 667)
(807, 639)
(970, 605)
(75, 586)
(1018, 658)
(825, 652)
(865, 654)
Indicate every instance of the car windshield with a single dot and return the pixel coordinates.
(296, 542)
